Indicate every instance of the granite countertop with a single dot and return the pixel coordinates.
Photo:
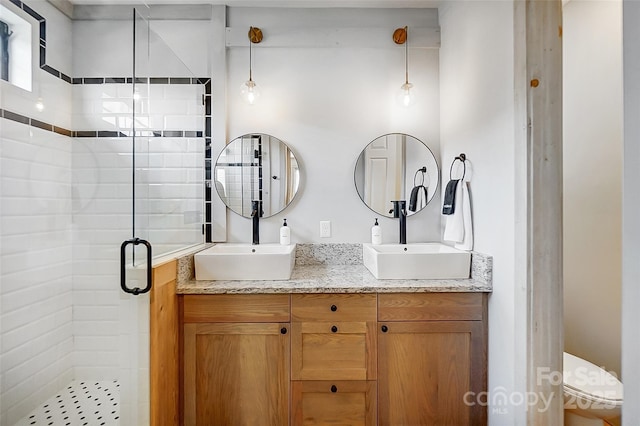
(335, 268)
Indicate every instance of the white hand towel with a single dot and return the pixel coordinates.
(454, 223)
(467, 240)
(422, 199)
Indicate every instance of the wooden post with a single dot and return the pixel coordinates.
(543, 35)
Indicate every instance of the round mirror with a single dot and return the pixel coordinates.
(257, 167)
(396, 167)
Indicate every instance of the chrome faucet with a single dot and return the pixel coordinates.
(256, 212)
(400, 212)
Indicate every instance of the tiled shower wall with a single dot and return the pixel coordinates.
(36, 317)
(36, 292)
(66, 207)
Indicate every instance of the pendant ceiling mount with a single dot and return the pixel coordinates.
(255, 35)
(400, 35)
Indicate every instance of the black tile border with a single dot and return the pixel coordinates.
(62, 131)
(31, 12)
(15, 117)
(30, 121)
(23, 119)
(93, 80)
(42, 125)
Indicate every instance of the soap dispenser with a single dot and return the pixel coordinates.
(285, 234)
(376, 233)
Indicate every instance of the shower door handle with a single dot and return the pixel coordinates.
(136, 290)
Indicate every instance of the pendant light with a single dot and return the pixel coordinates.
(406, 96)
(249, 90)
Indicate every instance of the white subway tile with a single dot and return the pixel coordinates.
(98, 343)
(183, 122)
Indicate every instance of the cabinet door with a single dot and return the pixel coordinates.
(425, 370)
(333, 350)
(334, 403)
(236, 374)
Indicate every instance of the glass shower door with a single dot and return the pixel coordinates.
(167, 202)
(136, 253)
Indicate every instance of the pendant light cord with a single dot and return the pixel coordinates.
(406, 55)
(250, 43)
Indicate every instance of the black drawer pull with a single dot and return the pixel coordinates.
(334, 308)
(283, 330)
(384, 328)
(334, 329)
(334, 389)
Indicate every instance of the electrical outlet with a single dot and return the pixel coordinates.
(325, 229)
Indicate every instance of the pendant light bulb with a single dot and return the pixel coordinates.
(406, 95)
(249, 90)
(39, 105)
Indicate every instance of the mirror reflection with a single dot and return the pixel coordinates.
(257, 167)
(396, 167)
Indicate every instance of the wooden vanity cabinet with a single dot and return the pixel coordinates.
(431, 352)
(236, 359)
(339, 359)
(333, 359)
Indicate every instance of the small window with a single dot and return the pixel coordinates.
(15, 49)
(4, 50)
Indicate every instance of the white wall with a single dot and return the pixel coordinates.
(327, 104)
(35, 235)
(477, 118)
(592, 134)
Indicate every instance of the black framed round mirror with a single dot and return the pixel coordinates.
(396, 166)
(257, 167)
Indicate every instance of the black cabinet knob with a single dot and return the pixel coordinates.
(334, 329)
(334, 308)
(384, 328)
(283, 330)
(334, 389)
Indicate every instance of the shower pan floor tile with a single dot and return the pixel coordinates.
(82, 403)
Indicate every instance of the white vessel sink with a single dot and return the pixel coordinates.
(416, 261)
(245, 262)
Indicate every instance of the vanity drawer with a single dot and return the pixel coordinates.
(334, 403)
(333, 307)
(236, 308)
(333, 350)
(431, 306)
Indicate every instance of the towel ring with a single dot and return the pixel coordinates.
(423, 169)
(462, 158)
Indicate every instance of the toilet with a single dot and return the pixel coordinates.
(590, 392)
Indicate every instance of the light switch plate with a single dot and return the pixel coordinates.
(325, 229)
